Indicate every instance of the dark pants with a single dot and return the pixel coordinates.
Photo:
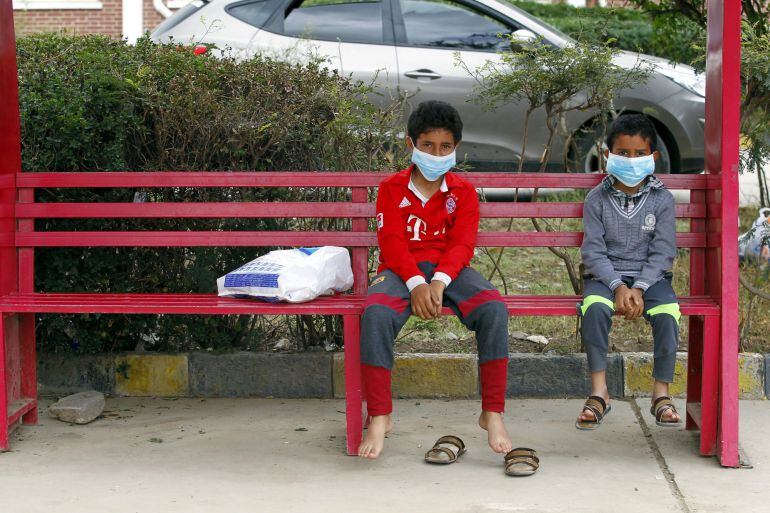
(661, 309)
(474, 300)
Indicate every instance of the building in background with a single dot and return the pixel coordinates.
(117, 18)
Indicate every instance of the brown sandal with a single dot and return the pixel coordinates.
(659, 407)
(596, 405)
(521, 462)
(439, 455)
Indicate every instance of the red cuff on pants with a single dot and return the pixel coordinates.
(494, 378)
(376, 381)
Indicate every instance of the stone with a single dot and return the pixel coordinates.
(80, 408)
(452, 336)
(538, 339)
(281, 344)
(519, 335)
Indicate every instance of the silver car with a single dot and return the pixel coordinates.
(411, 46)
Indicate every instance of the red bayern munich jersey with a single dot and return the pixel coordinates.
(442, 232)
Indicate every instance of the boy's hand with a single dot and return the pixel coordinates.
(622, 299)
(422, 302)
(437, 295)
(637, 304)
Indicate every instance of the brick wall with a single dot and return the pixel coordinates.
(152, 18)
(107, 20)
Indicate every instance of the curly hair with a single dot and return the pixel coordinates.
(432, 115)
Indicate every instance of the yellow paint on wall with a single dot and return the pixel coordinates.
(638, 374)
(152, 375)
(750, 385)
(449, 376)
(416, 375)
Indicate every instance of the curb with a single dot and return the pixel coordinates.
(321, 375)
(767, 380)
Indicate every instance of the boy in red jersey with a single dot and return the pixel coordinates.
(427, 221)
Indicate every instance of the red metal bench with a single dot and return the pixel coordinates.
(25, 302)
(711, 305)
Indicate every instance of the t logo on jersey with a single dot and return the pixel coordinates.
(416, 227)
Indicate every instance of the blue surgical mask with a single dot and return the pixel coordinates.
(432, 167)
(630, 171)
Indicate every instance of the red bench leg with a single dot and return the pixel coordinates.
(353, 393)
(728, 403)
(28, 365)
(4, 428)
(694, 371)
(709, 386)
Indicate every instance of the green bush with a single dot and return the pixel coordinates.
(94, 104)
(630, 29)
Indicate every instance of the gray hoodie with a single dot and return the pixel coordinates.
(640, 243)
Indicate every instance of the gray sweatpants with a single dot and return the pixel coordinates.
(661, 309)
(475, 301)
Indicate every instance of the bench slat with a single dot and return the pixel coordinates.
(556, 210)
(324, 179)
(336, 305)
(294, 239)
(195, 210)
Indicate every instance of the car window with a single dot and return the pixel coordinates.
(254, 13)
(350, 21)
(444, 24)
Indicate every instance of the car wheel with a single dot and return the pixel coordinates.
(584, 154)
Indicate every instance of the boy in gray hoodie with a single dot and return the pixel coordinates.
(628, 249)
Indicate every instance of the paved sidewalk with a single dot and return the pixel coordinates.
(265, 455)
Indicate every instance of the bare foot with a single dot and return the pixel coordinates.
(587, 415)
(497, 435)
(371, 445)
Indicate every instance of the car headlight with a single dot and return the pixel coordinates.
(686, 77)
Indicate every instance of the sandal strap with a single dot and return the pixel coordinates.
(533, 463)
(599, 399)
(449, 452)
(597, 406)
(661, 406)
(527, 449)
(451, 439)
(522, 453)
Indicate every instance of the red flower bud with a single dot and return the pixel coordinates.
(200, 49)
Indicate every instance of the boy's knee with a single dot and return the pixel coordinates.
(595, 308)
(665, 313)
(494, 311)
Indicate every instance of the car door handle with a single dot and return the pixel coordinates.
(422, 73)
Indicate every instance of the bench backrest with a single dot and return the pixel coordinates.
(358, 209)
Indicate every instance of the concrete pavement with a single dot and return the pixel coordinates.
(269, 455)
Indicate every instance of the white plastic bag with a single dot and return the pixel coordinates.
(754, 243)
(293, 275)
